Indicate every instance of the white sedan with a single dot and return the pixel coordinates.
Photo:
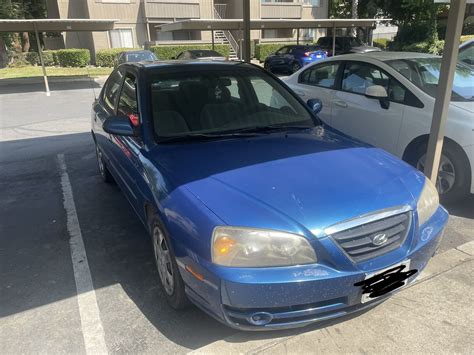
(386, 99)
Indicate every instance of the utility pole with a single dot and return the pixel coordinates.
(246, 28)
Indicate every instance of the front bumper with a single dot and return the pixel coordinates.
(297, 296)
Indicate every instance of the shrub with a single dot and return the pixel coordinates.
(32, 58)
(50, 58)
(263, 50)
(381, 43)
(105, 57)
(466, 38)
(73, 57)
(165, 51)
(18, 60)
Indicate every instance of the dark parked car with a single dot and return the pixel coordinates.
(345, 44)
(135, 56)
(292, 58)
(258, 214)
(200, 54)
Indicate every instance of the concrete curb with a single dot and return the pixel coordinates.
(335, 340)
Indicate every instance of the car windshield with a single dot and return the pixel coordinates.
(223, 101)
(140, 56)
(203, 54)
(424, 73)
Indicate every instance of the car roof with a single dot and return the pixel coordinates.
(385, 56)
(148, 65)
(138, 51)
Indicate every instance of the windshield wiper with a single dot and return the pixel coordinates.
(204, 137)
(272, 128)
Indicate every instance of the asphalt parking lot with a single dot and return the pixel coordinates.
(39, 308)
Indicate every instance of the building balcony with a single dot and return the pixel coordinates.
(175, 9)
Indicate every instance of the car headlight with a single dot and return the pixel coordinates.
(247, 247)
(428, 202)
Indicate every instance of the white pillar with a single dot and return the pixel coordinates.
(40, 53)
(445, 86)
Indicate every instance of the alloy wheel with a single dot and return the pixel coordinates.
(163, 260)
(446, 173)
(100, 161)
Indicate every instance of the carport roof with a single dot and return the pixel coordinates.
(258, 24)
(55, 25)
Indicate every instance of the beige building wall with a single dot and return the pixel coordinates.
(141, 16)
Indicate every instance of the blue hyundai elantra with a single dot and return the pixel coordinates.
(259, 214)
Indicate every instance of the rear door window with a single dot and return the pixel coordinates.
(323, 75)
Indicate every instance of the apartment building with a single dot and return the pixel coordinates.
(137, 19)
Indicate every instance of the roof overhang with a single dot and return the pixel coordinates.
(56, 25)
(259, 24)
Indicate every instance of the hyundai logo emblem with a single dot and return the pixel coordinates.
(379, 239)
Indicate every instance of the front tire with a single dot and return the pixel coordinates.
(454, 177)
(168, 272)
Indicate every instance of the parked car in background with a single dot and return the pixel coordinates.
(466, 53)
(292, 58)
(344, 45)
(258, 214)
(387, 99)
(135, 56)
(200, 54)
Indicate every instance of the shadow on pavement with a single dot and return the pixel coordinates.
(36, 84)
(463, 208)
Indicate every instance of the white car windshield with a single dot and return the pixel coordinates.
(424, 73)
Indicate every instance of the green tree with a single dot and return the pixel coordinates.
(416, 20)
(19, 9)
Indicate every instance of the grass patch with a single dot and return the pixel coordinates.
(32, 71)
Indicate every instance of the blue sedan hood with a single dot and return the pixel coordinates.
(297, 182)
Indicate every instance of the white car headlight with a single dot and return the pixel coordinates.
(247, 247)
(428, 202)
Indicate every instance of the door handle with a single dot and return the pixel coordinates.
(340, 103)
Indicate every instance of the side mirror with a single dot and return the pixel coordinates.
(119, 125)
(376, 92)
(315, 105)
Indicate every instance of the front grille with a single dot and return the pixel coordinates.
(358, 242)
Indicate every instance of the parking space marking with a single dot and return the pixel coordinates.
(91, 324)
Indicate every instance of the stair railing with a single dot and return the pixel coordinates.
(228, 35)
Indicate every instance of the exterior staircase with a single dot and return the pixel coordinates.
(221, 38)
(225, 36)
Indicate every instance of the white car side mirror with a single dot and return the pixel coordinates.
(376, 92)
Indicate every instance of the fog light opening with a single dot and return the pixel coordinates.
(260, 318)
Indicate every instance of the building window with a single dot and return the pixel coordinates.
(121, 38)
(316, 3)
(116, 1)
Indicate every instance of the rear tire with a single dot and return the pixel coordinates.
(168, 272)
(454, 178)
(266, 66)
(103, 169)
(295, 67)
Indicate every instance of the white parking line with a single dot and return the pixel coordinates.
(92, 329)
